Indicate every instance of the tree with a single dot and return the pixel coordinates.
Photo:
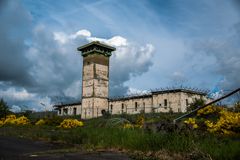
(196, 103)
(4, 109)
(237, 107)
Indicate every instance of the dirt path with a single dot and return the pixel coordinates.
(18, 148)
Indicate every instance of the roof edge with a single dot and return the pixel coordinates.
(67, 104)
(96, 43)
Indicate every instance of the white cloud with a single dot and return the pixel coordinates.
(25, 100)
(117, 41)
(178, 78)
(64, 38)
(146, 53)
(45, 103)
(217, 94)
(90, 39)
(60, 37)
(12, 93)
(56, 66)
(81, 33)
(74, 90)
(136, 91)
(15, 109)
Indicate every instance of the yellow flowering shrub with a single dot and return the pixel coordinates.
(70, 123)
(208, 110)
(191, 122)
(40, 122)
(21, 121)
(140, 121)
(11, 119)
(1, 123)
(228, 123)
(128, 126)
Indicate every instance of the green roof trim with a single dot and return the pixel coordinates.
(97, 43)
(96, 47)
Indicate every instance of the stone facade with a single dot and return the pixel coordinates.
(95, 91)
(176, 100)
(95, 79)
(69, 109)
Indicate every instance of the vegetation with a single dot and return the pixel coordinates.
(12, 120)
(197, 103)
(130, 134)
(70, 123)
(4, 109)
(216, 119)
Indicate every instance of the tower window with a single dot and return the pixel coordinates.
(122, 107)
(165, 102)
(143, 106)
(187, 102)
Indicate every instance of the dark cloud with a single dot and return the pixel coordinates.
(127, 62)
(55, 66)
(227, 58)
(14, 30)
(32, 60)
(35, 67)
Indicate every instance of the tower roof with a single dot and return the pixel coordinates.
(96, 46)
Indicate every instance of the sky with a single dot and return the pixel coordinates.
(159, 44)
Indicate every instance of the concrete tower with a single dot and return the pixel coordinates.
(95, 78)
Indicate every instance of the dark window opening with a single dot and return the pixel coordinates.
(59, 111)
(165, 102)
(143, 106)
(122, 107)
(187, 102)
(179, 110)
(74, 111)
(65, 111)
(136, 106)
(111, 107)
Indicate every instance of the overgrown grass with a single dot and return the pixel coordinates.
(133, 139)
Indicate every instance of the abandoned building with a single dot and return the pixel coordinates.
(95, 90)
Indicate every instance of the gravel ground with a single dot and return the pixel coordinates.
(12, 148)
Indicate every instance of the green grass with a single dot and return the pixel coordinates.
(96, 134)
(133, 139)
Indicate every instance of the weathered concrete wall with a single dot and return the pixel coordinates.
(100, 88)
(101, 71)
(93, 107)
(166, 102)
(69, 110)
(188, 98)
(131, 106)
(95, 85)
(162, 102)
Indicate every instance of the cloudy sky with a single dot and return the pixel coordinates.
(159, 44)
